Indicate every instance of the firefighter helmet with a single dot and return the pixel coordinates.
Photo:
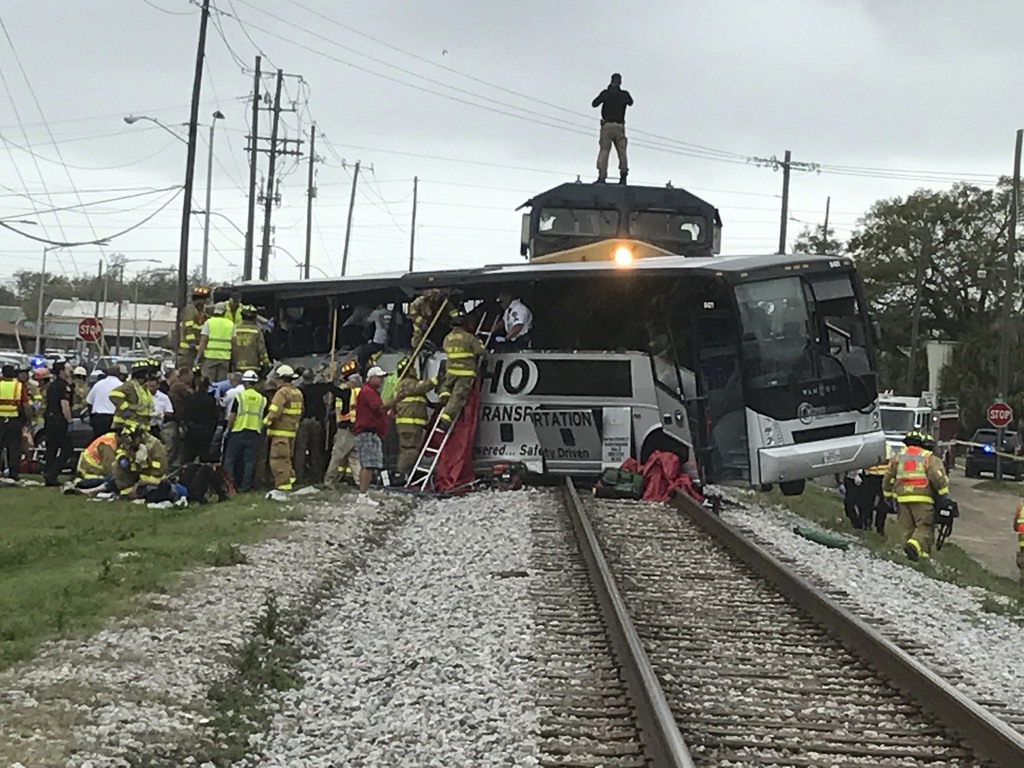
(200, 292)
(285, 372)
(248, 312)
(80, 371)
(914, 438)
(928, 442)
(349, 367)
(250, 377)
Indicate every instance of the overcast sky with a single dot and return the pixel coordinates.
(488, 103)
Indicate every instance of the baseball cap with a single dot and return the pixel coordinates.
(376, 371)
(80, 371)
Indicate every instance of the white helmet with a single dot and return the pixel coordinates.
(79, 371)
(285, 372)
(250, 376)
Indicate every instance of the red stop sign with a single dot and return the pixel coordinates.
(999, 414)
(89, 329)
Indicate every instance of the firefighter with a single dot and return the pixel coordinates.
(422, 312)
(245, 424)
(410, 414)
(37, 386)
(282, 421)
(214, 350)
(917, 482)
(96, 464)
(343, 456)
(80, 390)
(14, 414)
(141, 462)
(870, 501)
(233, 308)
(462, 350)
(248, 347)
(192, 318)
(1018, 526)
(133, 402)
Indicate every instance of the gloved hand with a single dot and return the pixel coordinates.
(842, 491)
(858, 479)
(893, 506)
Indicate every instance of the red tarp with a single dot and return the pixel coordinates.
(455, 464)
(662, 476)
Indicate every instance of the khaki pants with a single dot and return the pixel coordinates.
(216, 370)
(410, 443)
(459, 388)
(281, 467)
(343, 456)
(612, 134)
(916, 523)
(171, 438)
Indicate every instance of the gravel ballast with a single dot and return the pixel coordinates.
(425, 658)
(140, 686)
(981, 653)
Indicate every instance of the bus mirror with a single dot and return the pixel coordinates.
(524, 236)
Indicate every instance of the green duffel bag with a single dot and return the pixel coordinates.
(619, 484)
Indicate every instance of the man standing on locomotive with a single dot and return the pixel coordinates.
(613, 101)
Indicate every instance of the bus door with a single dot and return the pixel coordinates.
(724, 451)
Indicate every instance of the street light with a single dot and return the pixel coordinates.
(39, 310)
(299, 263)
(209, 175)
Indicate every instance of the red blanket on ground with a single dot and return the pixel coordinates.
(662, 475)
(455, 464)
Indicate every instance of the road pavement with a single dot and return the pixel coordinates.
(985, 527)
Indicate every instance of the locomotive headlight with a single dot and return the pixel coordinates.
(623, 257)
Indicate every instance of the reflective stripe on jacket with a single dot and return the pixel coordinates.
(881, 469)
(348, 416)
(133, 404)
(915, 476)
(97, 460)
(1018, 524)
(10, 399)
(192, 321)
(251, 405)
(249, 349)
(411, 405)
(462, 349)
(285, 412)
(218, 343)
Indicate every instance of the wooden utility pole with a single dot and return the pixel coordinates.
(190, 159)
(250, 239)
(310, 194)
(348, 225)
(269, 196)
(785, 202)
(1009, 294)
(915, 322)
(412, 230)
(824, 230)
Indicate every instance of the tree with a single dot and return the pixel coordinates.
(8, 298)
(818, 241)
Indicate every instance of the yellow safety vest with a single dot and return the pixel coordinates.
(10, 399)
(881, 469)
(349, 416)
(1018, 524)
(218, 344)
(97, 460)
(251, 405)
(912, 476)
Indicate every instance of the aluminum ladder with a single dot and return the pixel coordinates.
(422, 473)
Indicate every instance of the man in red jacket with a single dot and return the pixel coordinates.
(371, 427)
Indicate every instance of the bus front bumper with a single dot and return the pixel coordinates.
(823, 457)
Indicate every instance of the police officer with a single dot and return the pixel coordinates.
(14, 412)
(245, 423)
(410, 414)
(916, 481)
(192, 318)
(462, 350)
(282, 421)
(248, 347)
(133, 402)
(869, 498)
(214, 349)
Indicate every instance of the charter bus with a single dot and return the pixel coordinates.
(757, 370)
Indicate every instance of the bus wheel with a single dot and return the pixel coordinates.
(792, 487)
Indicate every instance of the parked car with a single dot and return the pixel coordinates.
(81, 436)
(982, 458)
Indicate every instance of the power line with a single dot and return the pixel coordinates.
(156, 7)
(98, 202)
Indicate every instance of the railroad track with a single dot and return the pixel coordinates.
(731, 659)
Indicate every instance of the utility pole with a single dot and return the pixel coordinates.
(257, 89)
(412, 230)
(99, 279)
(348, 225)
(915, 322)
(190, 160)
(310, 194)
(786, 164)
(1010, 292)
(269, 197)
(824, 230)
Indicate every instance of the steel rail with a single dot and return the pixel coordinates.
(984, 732)
(664, 744)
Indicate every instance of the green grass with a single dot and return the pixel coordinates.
(67, 564)
(824, 508)
(1009, 487)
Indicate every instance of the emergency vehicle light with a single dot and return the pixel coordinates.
(987, 448)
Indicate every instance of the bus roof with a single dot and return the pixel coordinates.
(736, 267)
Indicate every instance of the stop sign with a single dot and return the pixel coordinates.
(89, 329)
(999, 414)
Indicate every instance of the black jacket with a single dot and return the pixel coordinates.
(613, 102)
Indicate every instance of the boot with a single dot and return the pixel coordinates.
(622, 177)
(911, 552)
(601, 180)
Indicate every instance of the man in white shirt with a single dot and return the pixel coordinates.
(161, 407)
(101, 408)
(235, 386)
(512, 328)
(381, 320)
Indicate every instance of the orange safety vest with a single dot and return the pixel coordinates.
(912, 475)
(10, 399)
(1018, 524)
(349, 416)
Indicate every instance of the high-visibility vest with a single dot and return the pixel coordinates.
(10, 399)
(192, 321)
(133, 404)
(1018, 524)
(218, 343)
(460, 347)
(348, 416)
(912, 476)
(250, 411)
(97, 460)
(881, 469)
